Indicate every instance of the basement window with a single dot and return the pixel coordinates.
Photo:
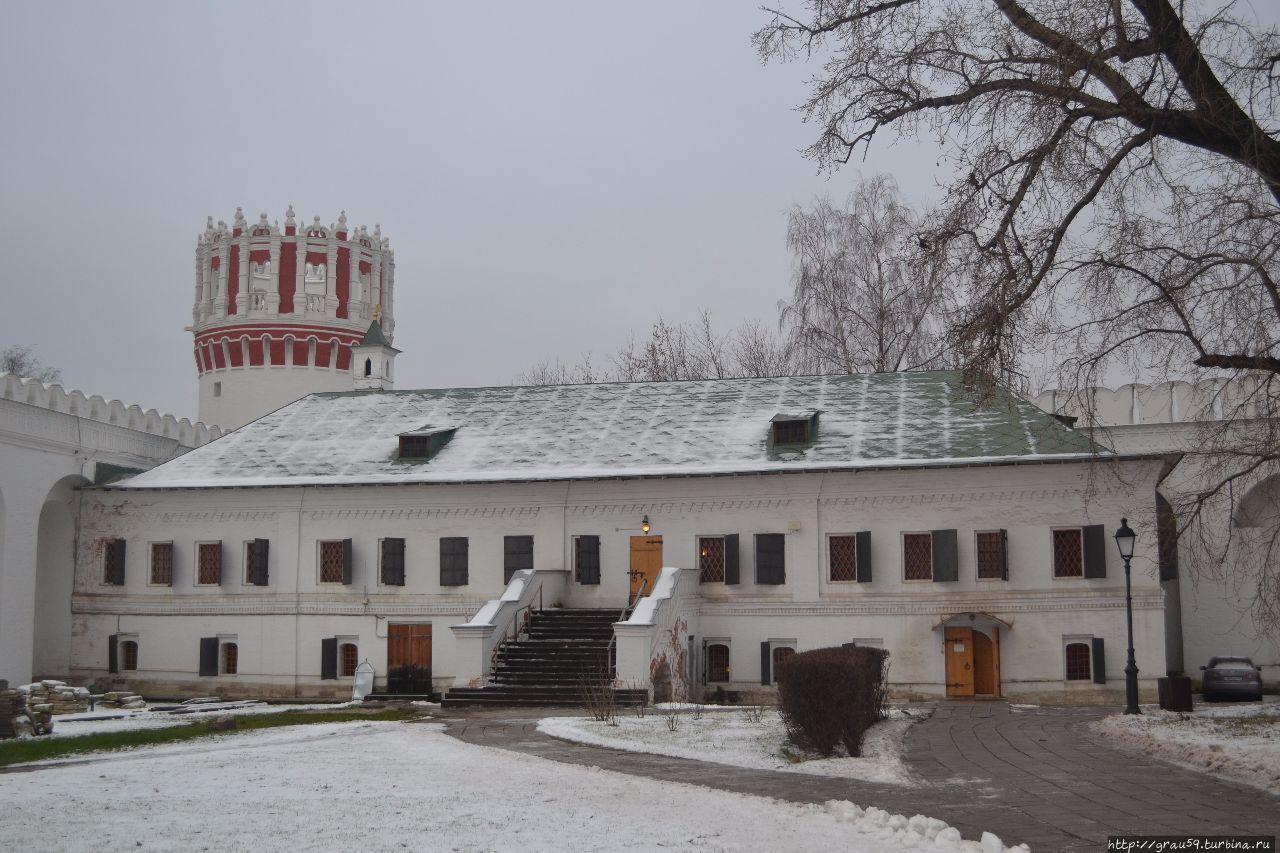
(425, 443)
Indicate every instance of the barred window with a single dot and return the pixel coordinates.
(1068, 553)
(349, 658)
(917, 556)
(331, 562)
(790, 432)
(162, 563)
(844, 557)
(718, 663)
(990, 546)
(209, 563)
(129, 655)
(1078, 662)
(230, 658)
(711, 559)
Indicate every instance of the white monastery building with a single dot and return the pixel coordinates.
(692, 534)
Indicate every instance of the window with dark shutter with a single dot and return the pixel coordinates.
(230, 658)
(209, 563)
(329, 658)
(946, 557)
(348, 562)
(586, 560)
(393, 562)
(771, 566)
(348, 659)
(162, 563)
(1099, 661)
(864, 555)
(990, 549)
(129, 655)
(731, 560)
(1077, 662)
(780, 656)
(517, 556)
(113, 653)
(1068, 552)
(331, 561)
(255, 558)
(208, 655)
(113, 553)
(453, 560)
(710, 559)
(765, 660)
(1095, 551)
(917, 556)
(790, 432)
(842, 558)
(717, 663)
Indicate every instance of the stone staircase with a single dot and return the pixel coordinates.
(564, 651)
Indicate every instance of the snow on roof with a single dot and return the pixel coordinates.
(558, 432)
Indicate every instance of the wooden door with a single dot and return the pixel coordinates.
(408, 658)
(984, 668)
(646, 562)
(959, 662)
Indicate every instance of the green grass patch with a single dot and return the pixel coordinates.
(44, 748)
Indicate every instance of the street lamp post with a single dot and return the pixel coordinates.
(1125, 538)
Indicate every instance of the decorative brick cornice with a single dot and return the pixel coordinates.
(907, 607)
(282, 604)
(677, 507)
(395, 514)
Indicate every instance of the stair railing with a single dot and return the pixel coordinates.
(632, 601)
(519, 625)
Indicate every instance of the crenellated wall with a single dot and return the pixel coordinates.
(1167, 402)
(96, 408)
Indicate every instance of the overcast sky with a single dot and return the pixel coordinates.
(550, 175)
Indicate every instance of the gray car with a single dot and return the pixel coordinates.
(1231, 678)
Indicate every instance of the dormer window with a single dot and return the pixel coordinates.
(424, 443)
(793, 428)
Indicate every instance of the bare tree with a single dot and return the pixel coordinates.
(23, 361)
(555, 372)
(1115, 194)
(860, 303)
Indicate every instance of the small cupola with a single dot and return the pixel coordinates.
(422, 444)
(372, 360)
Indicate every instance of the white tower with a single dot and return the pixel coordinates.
(277, 312)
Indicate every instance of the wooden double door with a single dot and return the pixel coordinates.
(408, 658)
(973, 662)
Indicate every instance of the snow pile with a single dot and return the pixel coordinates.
(389, 786)
(92, 723)
(1240, 743)
(728, 736)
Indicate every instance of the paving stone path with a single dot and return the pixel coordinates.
(1030, 775)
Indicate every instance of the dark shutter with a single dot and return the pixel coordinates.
(113, 653)
(453, 561)
(1099, 661)
(393, 562)
(764, 663)
(945, 558)
(258, 571)
(692, 660)
(517, 555)
(1095, 551)
(1004, 554)
(588, 559)
(115, 559)
(771, 558)
(731, 560)
(862, 550)
(329, 657)
(346, 561)
(208, 655)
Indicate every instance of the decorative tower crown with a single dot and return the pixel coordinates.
(291, 301)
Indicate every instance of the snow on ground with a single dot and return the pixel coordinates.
(730, 737)
(98, 722)
(388, 786)
(1237, 742)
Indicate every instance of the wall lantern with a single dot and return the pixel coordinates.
(644, 523)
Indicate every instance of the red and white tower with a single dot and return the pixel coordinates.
(278, 311)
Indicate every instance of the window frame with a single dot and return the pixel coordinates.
(577, 553)
(698, 538)
(728, 660)
(756, 551)
(465, 556)
(226, 641)
(124, 645)
(831, 565)
(151, 563)
(1085, 640)
(902, 539)
(776, 646)
(783, 432)
(507, 571)
(320, 548)
(247, 561)
(107, 575)
(404, 569)
(1053, 552)
(196, 582)
(1003, 537)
